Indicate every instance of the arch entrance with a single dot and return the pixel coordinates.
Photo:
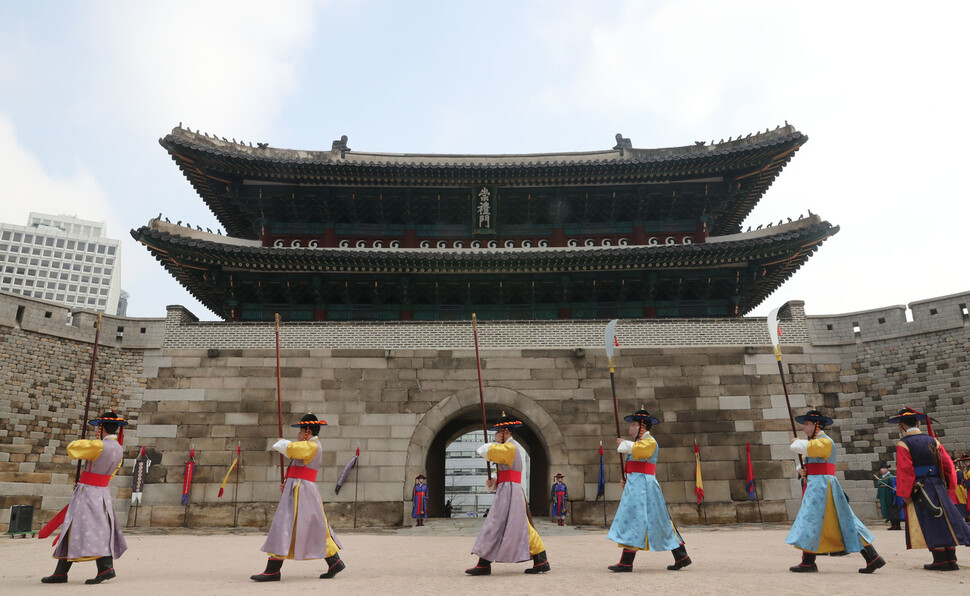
(460, 414)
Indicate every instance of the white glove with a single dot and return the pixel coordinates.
(800, 446)
(625, 447)
(483, 450)
(281, 445)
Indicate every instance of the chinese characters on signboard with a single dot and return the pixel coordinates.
(484, 209)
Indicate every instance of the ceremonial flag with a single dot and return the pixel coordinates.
(601, 483)
(750, 483)
(187, 480)
(231, 468)
(140, 475)
(343, 475)
(698, 481)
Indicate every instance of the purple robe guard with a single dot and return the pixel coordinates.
(305, 537)
(504, 537)
(90, 530)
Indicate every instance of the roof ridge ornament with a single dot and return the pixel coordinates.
(622, 143)
(340, 145)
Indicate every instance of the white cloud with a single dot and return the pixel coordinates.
(224, 66)
(28, 187)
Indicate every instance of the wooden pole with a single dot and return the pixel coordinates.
(87, 400)
(481, 390)
(610, 342)
(279, 397)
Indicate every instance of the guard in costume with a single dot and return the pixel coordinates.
(89, 530)
(300, 530)
(924, 473)
(963, 484)
(419, 500)
(507, 536)
(560, 500)
(886, 495)
(825, 523)
(642, 521)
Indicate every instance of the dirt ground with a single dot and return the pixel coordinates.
(750, 559)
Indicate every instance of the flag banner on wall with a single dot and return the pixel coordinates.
(187, 479)
(698, 481)
(350, 466)
(232, 467)
(601, 483)
(752, 495)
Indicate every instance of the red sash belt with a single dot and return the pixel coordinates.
(820, 469)
(92, 479)
(508, 476)
(301, 472)
(640, 467)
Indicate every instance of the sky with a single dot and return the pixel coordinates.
(88, 88)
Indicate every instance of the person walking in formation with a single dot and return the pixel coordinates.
(642, 521)
(924, 471)
(300, 530)
(419, 500)
(90, 530)
(963, 484)
(560, 498)
(886, 495)
(825, 523)
(508, 535)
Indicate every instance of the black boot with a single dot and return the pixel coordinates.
(807, 565)
(539, 563)
(106, 570)
(951, 556)
(60, 573)
(873, 559)
(272, 573)
(484, 567)
(626, 562)
(894, 525)
(681, 559)
(941, 562)
(334, 566)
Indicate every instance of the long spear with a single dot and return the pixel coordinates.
(279, 396)
(58, 519)
(773, 332)
(610, 338)
(481, 390)
(87, 401)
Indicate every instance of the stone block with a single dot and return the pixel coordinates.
(167, 516)
(734, 402)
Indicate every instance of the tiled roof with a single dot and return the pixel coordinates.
(214, 165)
(779, 255)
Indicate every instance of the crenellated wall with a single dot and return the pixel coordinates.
(401, 390)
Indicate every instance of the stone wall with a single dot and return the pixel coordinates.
(401, 390)
(45, 363)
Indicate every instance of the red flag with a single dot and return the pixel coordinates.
(187, 480)
(698, 481)
(750, 482)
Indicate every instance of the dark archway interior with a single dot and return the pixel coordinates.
(470, 420)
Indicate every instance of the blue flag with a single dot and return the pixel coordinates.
(601, 485)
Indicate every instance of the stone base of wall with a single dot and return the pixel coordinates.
(257, 515)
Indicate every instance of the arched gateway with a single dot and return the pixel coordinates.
(460, 412)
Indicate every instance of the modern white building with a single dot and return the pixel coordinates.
(63, 259)
(465, 476)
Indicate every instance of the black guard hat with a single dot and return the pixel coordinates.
(506, 422)
(308, 420)
(641, 415)
(814, 416)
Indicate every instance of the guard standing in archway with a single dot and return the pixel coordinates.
(507, 536)
(642, 521)
(419, 500)
(560, 500)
